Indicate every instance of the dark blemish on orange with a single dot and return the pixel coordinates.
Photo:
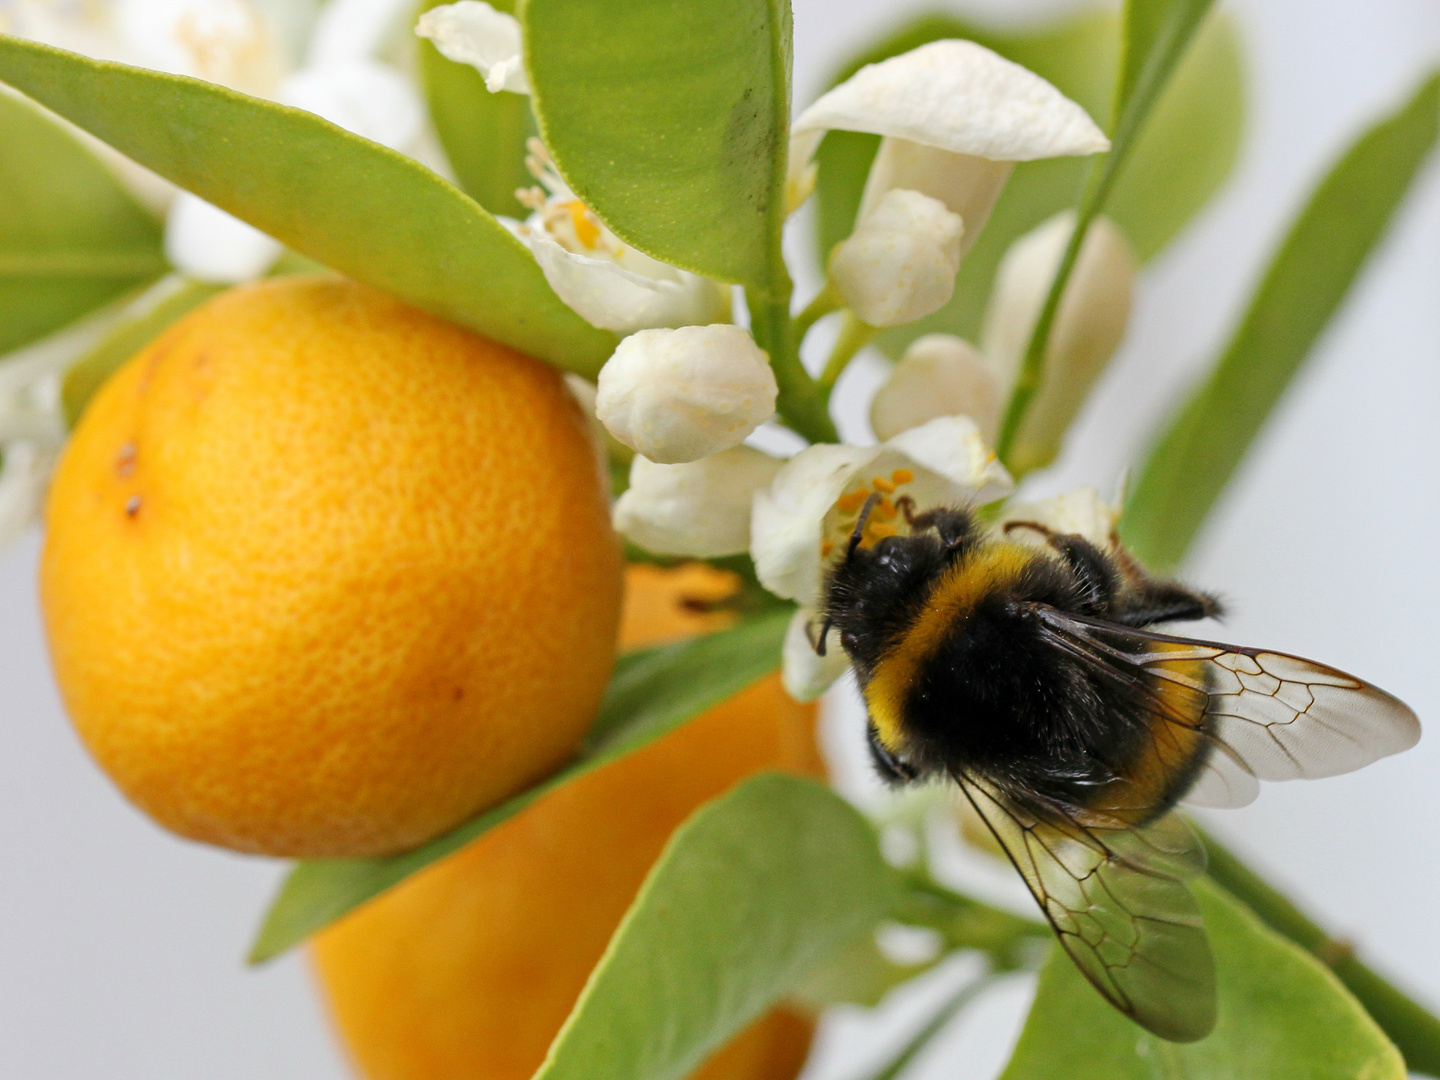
(125, 460)
(132, 506)
(459, 693)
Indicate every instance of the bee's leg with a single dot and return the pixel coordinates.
(1145, 600)
(956, 528)
(1093, 570)
(891, 768)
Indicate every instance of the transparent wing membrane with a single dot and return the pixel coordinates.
(1117, 900)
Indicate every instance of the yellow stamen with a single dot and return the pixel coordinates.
(885, 487)
(825, 549)
(902, 476)
(852, 501)
(879, 530)
(586, 231)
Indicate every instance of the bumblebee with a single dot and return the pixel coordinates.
(1026, 669)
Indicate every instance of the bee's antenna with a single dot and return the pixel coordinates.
(825, 627)
(859, 530)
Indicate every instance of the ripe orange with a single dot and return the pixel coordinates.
(467, 970)
(326, 575)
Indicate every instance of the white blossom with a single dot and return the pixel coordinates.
(804, 673)
(679, 395)
(472, 32)
(697, 508)
(1080, 512)
(939, 375)
(954, 117)
(900, 264)
(804, 519)
(607, 282)
(1089, 323)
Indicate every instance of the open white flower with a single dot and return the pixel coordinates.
(680, 395)
(607, 282)
(472, 32)
(900, 263)
(804, 672)
(939, 375)
(1089, 324)
(1081, 512)
(955, 117)
(804, 519)
(698, 508)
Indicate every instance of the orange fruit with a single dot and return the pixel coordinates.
(467, 970)
(326, 575)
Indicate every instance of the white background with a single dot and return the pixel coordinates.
(120, 946)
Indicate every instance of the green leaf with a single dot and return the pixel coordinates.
(759, 888)
(1179, 162)
(124, 340)
(652, 692)
(1282, 1015)
(345, 201)
(669, 118)
(1303, 287)
(483, 133)
(71, 237)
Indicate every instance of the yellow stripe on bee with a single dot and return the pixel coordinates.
(991, 569)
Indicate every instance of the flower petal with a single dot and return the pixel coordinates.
(611, 297)
(939, 375)
(968, 185)
(788, 520)
(698, 508)
(900, 264)
(959, 96)
(24, 478)
(1081, 512)
(951, 448)
(472, 32)
(683, 394)
(347, 30)
(804, 672)
(206, 243)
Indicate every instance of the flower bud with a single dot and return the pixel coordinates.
(900, 264)
(1089, 324)
(208, 244)
(472, 32)
(679, 395)
(698, 508)
(939, 375)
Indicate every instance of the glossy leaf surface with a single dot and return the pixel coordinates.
(1303, 287)
(653, 691)
(1283, 1015)
(71, 236)
(669, 118)
(347, 202)
(758, 889)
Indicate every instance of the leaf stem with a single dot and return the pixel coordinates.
(854, 336)
(802, 401)
(1411, 1027)
(967, 923)
(932, 1027)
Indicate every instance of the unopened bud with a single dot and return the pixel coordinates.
(939, 375)
(680, 395)
(699, 508)
(900, 264)
(1089, 324)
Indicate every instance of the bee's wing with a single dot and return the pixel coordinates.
(1261, 715)
(1117, 900)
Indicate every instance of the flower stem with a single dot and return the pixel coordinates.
(826, 302)
(802, 402)
(932, 1027)
(854, 336)
(1411, 1027)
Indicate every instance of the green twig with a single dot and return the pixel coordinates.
(966, 923)
(921, 1039)
(854, 336)
(802, 403)
(826, 302)
(1410, 1026)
